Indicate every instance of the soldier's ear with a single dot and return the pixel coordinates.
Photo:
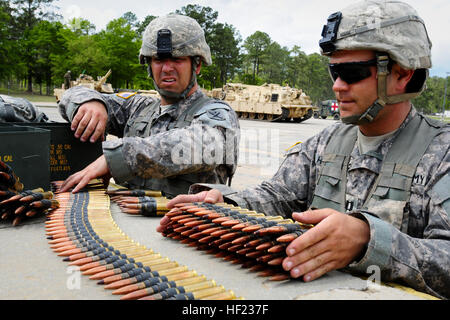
(199, 66)
(400, 78)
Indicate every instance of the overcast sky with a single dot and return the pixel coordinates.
(288, 22)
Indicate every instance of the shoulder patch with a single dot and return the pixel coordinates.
(215, 105)
(215, 115)
(125, 95)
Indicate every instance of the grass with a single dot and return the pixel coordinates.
(446, 119)
(33, 97)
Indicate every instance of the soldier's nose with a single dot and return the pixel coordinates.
(167, 66)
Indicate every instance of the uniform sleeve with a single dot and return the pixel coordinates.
(284, 193)
(291, 189)
(421, 262)
(198, 147)
(74, 97)
(119, 106)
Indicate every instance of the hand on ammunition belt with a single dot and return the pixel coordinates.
(119, 263)
(258, 242)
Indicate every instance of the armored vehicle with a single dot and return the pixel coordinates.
(327, 108)
(270, 102)
(86, 81)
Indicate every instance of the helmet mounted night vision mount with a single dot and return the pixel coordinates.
(329, 32)
(164, 43)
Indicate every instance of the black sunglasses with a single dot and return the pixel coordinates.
(351, 72)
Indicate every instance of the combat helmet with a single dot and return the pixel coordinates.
(175, 36)
(395, 32)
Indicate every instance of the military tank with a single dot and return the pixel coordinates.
(270, 102)
(87, 81)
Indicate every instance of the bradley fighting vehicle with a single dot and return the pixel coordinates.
(87, 81)
(270, 102)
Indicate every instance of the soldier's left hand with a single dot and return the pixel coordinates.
(97, 169)
(334, 242)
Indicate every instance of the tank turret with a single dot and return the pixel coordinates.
(87, 81)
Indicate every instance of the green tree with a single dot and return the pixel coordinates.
(62, 60)
(432, 98)
(255, 45)
(81, 26)
(46, 43)
(315, 80)
(205, 16)
(140, 26)
(296, 65)
(121, 47)
(8, 45)
(274, 63)
(27, 14)
(224, 42)
(78, 52)
(131, 19)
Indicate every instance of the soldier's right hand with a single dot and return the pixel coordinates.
(210, 196)
(78, 180)
(90, 121)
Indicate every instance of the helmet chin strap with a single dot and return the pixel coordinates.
(372, 111)
(173, 97)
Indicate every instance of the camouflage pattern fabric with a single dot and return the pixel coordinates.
(188, 38)
(386, 26)
(14, 109)
(148, 154)
(419, 253)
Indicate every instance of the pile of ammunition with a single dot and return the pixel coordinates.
(256, 241)
(83, 231)
(140, 202)
(18, 204)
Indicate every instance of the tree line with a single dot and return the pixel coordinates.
(36, 47)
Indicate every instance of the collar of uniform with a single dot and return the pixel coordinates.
(372, 161)
(366, 161)
(167, 109)
(184, 104)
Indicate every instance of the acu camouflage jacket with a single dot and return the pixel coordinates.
(416, 249)
(165, 149)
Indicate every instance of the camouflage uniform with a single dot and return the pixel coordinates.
(147, 152)
(417, 251)
(196, 139)
(14, 109)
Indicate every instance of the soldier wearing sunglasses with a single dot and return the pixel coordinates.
(377, 185)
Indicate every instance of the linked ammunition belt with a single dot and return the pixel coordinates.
(17, 204)
(256, 241)
(83, 231)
